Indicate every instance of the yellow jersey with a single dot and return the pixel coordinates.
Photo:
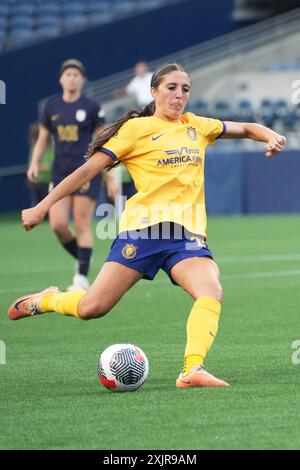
(166, 162)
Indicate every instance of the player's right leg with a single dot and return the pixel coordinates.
(199, 276)
(59, 217)
(110, 285)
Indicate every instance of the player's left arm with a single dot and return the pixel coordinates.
(275, 143)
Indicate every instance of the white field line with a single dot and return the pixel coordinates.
(230, 277)
(220, 259)
(261, 275)
(259, 258)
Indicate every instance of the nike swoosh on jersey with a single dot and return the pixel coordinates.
(20, 301)
(157, 137)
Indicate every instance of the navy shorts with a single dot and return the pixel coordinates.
(90, 189)
(149, 255)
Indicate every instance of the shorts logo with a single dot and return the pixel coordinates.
(192, 133)
(129, 251)
(85, 187)
(80, 115)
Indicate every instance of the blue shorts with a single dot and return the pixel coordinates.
(90, 189)
(149, 255)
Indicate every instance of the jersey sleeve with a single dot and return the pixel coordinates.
(120, 145)
(98, 116)
(212, 129)
(44, 117)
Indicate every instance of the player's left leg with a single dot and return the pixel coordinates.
(83, 211)
(199, 276)
(113, 281)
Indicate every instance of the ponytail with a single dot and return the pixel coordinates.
(108, 132)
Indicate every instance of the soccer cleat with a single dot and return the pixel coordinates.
(80, 282)
(28, 305)
(198, 377)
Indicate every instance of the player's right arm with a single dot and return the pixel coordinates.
(34, 216)
(37, 153)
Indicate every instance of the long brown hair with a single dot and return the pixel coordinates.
(149, 110)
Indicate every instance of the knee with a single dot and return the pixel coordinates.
(81, 225)
(218, 293)
(58, 228)
(214, 290)
(89, 310)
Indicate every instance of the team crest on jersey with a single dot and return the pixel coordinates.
(54, 117)
(192, 133)
(85, 187)
(80, 115)
(129, 251)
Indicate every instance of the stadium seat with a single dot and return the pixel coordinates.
(72, 8)
(5, 9)
(49, 31)
(97, 6)
(281, 108)
(49, 16)
(3, 24)
(244, 111)
(47, 8)
(198, 107)
(284, 114)
(296, 112)
(74, 21)
(48, 20)
(2, 39)
(21, 20)
(191, 107)
(20, 36)
(52, 2)
(222, 110)
(267, 112)
(201, 107)
(100, 18)
(23, 8)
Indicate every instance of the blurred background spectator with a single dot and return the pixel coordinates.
(139, 86)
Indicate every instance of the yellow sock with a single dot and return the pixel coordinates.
(66, 303)
(202, 327)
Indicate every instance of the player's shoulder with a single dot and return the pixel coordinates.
(136, 123)
(53, 100)
(198, 121)
(195, 118)
(88, 102)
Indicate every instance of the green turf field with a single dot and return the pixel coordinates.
(50, 395)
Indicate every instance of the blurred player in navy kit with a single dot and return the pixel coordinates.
(72, 120)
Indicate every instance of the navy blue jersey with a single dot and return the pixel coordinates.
(72, 126)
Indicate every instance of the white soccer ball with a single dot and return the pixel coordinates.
(123, 367)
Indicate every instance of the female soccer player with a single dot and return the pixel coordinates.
(72, 120)
(164, 224)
